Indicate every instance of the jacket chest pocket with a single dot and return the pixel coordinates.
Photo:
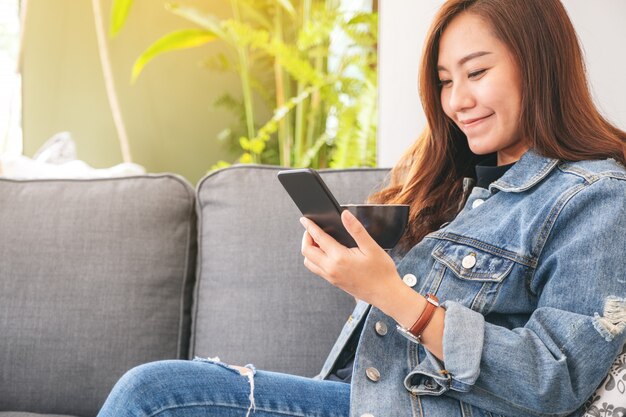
(469, 275)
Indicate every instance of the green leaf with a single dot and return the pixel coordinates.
(242, 34)
(205, 21)
(119, 13)
(229, 102)
(246, 158)
(257, 146)
(254, 15)
(220, 63)
(367, 18)
(300, 69)
(182, 39)
(244, 143)
(313, 151)
(219, 165)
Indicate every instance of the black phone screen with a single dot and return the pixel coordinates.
(315, 201)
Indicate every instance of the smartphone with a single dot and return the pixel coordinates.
(307, 189)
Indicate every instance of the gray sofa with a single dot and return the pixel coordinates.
(98, 276)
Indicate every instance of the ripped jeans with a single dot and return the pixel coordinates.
(205, 387)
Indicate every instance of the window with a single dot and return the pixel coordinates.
(10, 80)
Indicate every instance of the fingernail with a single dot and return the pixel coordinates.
(303, 221)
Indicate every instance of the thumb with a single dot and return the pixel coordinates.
(357, 231)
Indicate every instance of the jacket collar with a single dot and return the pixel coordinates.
(526, 173)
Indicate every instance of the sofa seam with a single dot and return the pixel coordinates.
(173, 176)
(198, 277)
(185, 283)
(277, 167)
(190, 196)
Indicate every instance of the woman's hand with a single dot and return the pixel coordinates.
(366, 272)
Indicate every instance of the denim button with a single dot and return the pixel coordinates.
(381, 328)
(469, 261)
(372, 374)
(410, 280)
(430, 384)
(477, 202)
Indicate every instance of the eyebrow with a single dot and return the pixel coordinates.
(466, 58)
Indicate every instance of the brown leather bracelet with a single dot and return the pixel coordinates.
(427, 314)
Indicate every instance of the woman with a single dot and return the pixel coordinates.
(527, 259)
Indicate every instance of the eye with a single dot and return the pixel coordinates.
(444, 83)
(476, 74)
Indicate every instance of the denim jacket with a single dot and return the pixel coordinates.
(532, 275)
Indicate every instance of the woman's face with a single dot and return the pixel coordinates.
(481, 88)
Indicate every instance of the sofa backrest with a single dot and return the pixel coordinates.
(95, 278)
(255, 302)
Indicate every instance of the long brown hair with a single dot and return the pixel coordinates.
(558, 114)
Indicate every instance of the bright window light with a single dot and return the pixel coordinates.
(10, 80)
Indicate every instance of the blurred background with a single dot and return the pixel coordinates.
(320, 83)
(201, 102)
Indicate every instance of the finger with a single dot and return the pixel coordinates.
(313, 268)
(358, 232)
(313, 253)
(308, 239)
(324, 240)
(307, 250)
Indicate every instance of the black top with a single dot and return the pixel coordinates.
(342, 371)
(487, 171)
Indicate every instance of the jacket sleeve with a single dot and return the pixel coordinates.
(552, 365)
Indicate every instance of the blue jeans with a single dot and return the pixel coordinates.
(208, 388)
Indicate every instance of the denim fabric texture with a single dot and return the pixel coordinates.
(206, 387)
(531, 273)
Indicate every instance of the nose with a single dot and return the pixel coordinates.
(460, 97)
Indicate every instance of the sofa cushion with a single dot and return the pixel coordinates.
(95, 278)
(255, 302)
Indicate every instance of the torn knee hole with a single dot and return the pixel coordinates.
(247, 371)
(613, 321)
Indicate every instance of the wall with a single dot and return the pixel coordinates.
(169, 113)
(403, 24)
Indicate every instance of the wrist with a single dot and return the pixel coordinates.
(403, 304)
(414, 333)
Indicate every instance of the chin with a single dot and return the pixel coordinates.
(481, 150)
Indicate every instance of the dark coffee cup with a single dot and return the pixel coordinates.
(386, 223)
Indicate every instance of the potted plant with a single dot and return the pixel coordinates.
(312, 61)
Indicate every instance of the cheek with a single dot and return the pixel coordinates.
(504, 96)
(511, 109)
(501, 100)
(443, 96)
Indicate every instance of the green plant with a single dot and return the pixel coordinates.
(283, 53)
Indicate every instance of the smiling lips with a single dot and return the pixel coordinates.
(469, 123)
